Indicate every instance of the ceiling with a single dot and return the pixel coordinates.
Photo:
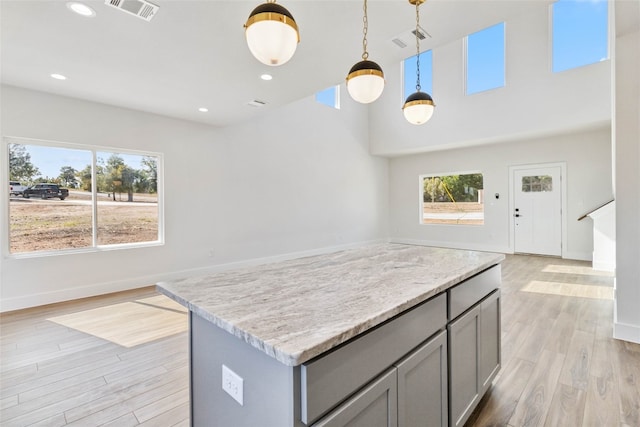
(193, 54)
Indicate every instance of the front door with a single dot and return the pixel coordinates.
(537, 211)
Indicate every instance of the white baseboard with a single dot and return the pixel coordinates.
(604, 266)
(579, 256)
(625, 332)
(266, 260)
(35, 300)
(464, 246)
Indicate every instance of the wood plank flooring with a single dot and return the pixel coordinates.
(560, 366)
(54, 375)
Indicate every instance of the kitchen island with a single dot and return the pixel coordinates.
(331, 339)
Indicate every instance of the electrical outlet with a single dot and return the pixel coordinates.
(232, 383)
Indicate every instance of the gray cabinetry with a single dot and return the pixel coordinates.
(427, 366)
(374, 406)
(329, 379)
(422, 385)
(413, 393)
(463, 358)
(474, 356)
(489, 340)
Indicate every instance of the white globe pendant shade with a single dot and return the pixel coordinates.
(365, 82)
(418, 108)
(272, 34)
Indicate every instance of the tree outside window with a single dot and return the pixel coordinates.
(120, 205)
(453, 199)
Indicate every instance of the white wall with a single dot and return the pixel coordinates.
(626, 137)
(534, 101)
(604, 238)
(298, 180)
(588, 159)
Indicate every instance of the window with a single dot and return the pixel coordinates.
(61, 205)
(536, 184)
(485, 59)
(452, 199)
(580, 33)
(426, 72)
(330, 97)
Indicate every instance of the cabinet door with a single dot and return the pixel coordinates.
(464, 353)
(374, 406)
(422, 385)
(489, 339)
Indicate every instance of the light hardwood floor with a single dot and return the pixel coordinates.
(53, 375)
(560, 366)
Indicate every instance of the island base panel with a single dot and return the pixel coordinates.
(270, 397)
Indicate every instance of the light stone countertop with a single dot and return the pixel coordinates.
(296, 310)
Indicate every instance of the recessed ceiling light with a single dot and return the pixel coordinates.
(266, 77)
(81, 9)
(203, 109)
(58, 76)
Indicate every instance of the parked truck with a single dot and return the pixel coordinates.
(45, 191)
(15, 188)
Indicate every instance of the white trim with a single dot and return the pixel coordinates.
(452, 245)
(622, 331)
(604, 266)
(5, 249)
(421, 197)
(580, 256)
(504, 59)
(563, 196)
(4, 200)
(34, 300)
(77, 146)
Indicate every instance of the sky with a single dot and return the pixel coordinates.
(49, 160)
(580, 37)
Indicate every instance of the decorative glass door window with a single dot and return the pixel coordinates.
(534, 184)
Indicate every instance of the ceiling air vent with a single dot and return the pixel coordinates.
(419, 33)
(140, 8)
(399, 42)
(408, 38)
(257, 103)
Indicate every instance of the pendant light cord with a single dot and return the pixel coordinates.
(365, 29)
(417, 47)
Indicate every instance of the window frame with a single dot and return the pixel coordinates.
(422, 74)
(539, 181)
(93, 150)
(421, 202)
(336, 97)
(551, 40)
(504, 59)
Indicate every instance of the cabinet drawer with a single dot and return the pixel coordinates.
(330, 379)
(374, 406)
(463, 296)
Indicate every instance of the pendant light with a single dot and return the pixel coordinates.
(272, 34)
(365, 80)
(419, 106)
